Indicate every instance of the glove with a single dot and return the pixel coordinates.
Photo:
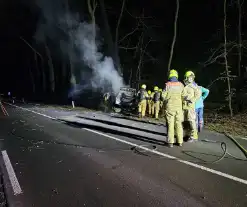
(186, 99)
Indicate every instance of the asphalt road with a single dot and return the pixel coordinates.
(56, 164)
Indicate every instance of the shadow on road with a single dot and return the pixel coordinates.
(111, 131)
(122, 125)
(137, 120)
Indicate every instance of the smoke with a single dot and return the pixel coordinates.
(80, 45)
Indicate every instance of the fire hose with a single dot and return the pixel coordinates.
(225, 151)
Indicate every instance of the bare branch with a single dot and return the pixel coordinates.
(130, 33)
(127, 48)
(119, 20)
(217, 54)
(31, 47)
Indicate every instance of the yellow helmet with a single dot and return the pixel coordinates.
(160, 90)
(173, 73)
(189, 77)
(143, 86)
(149, 92)
(188, 74)
(156, 88)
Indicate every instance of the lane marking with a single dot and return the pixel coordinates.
(25, 109)
(11, 173)
(216, 172)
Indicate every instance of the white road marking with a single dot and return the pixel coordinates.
(35, 112)
(11, 173)
(240, 180)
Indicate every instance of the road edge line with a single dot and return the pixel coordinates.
(216, 172)
(11, 173)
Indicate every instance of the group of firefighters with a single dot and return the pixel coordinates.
(179, 103)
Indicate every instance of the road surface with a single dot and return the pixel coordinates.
(48, 163)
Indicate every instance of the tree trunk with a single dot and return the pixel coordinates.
(64, 73)
(108, 35)
(130, 77)
(226, 64)
(138, 71)
(239, 37)
(174, 36)
(43, 76)
(117, 59)
(32, 78)
(91, 9)
(51, 69)
(37, 68)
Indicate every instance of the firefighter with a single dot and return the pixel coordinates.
(106, 102)
(191, 94)
(149, 102)
(161, 102)
(156, 102)
(142, 105)
(172, 96)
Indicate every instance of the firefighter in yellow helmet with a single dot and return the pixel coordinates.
(191, 94)
(172, 96)
(149, 102)
(162, 106)
(156, 102)
(142, 96)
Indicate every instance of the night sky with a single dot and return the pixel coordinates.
(200, 27)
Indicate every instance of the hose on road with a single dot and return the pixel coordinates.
(225, 151)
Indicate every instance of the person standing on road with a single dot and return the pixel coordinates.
(142, 105)
(172, 96)
(200, 107)
(156, 102)
(149, 101)
(191, 94)
(162, 106)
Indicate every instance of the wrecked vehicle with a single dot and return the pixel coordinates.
(124, 101)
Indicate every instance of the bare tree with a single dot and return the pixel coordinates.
(116, 36)
(239, 5)
(51, 69)
(174, 36)
(108, 36)
(226, 63)
(220, 56)
(31, 77)
(139, 50)
(92, 5)
(36, 53)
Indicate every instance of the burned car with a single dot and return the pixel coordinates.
(124, 100)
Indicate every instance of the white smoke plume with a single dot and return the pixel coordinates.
(78, 44)
(104, 72)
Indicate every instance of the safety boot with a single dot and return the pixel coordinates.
(170, 145)
(191, 139)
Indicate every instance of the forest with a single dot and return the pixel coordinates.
(75, 49)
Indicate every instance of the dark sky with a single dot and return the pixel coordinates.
(197, 24)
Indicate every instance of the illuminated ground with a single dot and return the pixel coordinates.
(61, 165)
